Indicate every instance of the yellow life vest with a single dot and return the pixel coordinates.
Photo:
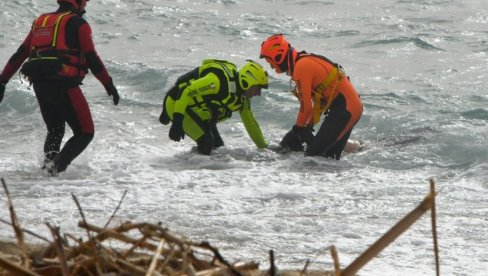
(321, 103)
(227, 100)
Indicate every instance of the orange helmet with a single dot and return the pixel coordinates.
(79, 5)
(278, 52)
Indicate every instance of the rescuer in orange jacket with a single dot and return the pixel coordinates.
(60, 50)
(322, 88)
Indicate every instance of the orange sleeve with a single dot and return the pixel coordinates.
(306, 74)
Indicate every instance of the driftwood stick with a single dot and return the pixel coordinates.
(88, 271)
(152, 266)
(134, 246)
(389, 237)
(190, 271)
(184, 264)
(305, 267)
(272, 268)
(58, 245)
(19, 234)
(131, 267)
(216, 252)
(28, 232)
(131, 226)
(15, 269)
(92, 240)
(109, 233)
(115, 211)
(112, 261)
(82, 215)
(155, 230)
(168, 270)
(168, 259)
(82, 263)
(434, 228)
(75, 270)
(335, 258)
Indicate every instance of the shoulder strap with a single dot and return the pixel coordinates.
(335, 76)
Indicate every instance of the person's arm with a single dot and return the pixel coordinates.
(16, 60)
(251, 125)
(14, 64)
(94, 62)
(303, 78)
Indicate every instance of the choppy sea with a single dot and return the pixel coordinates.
(421, 67)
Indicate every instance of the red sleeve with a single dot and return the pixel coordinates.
(16, 60)
(87, 47)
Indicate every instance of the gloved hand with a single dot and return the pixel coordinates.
(292, 141)
(112, 91)
(304, 134)
(164, 118)
(176, 132)
(2, 90)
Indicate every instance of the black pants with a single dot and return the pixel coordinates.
(327, 142)
(62, 102)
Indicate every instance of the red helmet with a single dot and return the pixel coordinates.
(277, 50)
(79, 5)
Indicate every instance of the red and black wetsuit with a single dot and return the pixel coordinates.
(61, 99)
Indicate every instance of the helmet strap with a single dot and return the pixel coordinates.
(239, 89)
(290, 61)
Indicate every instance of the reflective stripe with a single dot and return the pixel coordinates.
(230, 76)
(56, 27)
(49, 43)
(45, 21)
(225, 101)
(43, 58)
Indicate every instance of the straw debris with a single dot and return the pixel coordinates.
(150, 249)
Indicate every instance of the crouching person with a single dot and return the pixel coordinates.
(209, 94)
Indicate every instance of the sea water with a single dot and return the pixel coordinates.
(421, 67)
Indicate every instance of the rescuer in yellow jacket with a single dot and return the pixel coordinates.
(210, 94)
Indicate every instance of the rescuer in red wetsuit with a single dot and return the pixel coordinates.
(60, 50)
(322, 88)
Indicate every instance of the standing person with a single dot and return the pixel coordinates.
(60, 50)
(209, 94)
(322, 87)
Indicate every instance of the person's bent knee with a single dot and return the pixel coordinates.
(84, 138)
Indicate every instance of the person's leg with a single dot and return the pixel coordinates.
(198, 128)
(205, 144)
(336, 150)
(76, 111)
(329, 133)
(218, 142)
(54, 121)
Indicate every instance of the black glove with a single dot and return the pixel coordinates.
(292, 141)
(2, 90)
(164, 118)
(112, 91)
(304, 134)
(176, 132)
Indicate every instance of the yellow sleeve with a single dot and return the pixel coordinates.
(251, 125)
(207, 85)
